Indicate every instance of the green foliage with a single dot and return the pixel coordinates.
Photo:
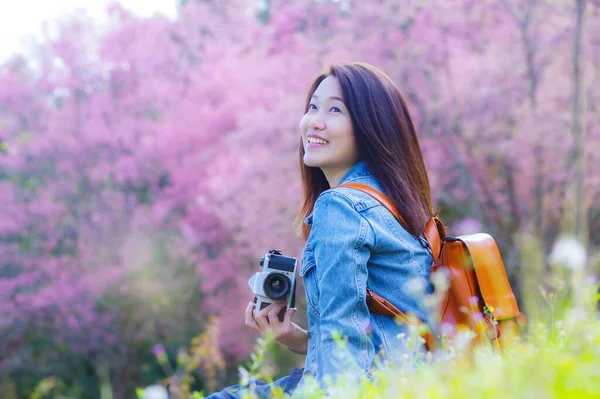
(557, 357)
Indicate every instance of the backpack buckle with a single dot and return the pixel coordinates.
(494, 331)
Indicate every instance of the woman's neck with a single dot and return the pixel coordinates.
(334, 176)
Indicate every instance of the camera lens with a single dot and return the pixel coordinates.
(276, 286)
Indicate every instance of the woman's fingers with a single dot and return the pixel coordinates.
(288, 315)
(261, 317)
(249, 318)
(273, 315)
(267, 317)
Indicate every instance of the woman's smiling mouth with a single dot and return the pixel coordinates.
(314, 141)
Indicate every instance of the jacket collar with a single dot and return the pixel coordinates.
(357, 171)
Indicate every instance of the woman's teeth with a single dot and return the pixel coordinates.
(317, 141)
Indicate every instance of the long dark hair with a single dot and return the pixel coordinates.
(386, 140)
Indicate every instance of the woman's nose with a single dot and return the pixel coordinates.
(316, 123)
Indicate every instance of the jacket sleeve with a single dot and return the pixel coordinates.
(342, 240)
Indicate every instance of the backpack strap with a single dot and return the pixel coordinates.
(434, 230)
(379, 305)
(379, 196)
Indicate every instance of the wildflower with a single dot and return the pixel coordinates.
(415, 287)
(591, 280)
(578, 314)
(243, 375)
(440, 280)
(446, 329)
(430, 302)
(569, 252)
(159, 351)
(182, 356)
(155, 392)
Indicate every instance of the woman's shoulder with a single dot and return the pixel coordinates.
(363, 206)
(339, 213)
(335, 200)
(357, 199)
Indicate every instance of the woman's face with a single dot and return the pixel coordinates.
(327, 133)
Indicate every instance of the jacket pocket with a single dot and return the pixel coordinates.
(308, 272)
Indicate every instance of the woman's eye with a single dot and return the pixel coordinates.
(312, 106)
(336, 109)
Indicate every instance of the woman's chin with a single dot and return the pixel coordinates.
(311, 162)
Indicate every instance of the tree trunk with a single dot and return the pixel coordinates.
(578, 109)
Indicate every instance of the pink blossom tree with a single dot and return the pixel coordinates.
(145, 168)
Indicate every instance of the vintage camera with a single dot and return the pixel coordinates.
(277, 282)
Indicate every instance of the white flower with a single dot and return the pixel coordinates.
(440, 280)
(415, 287)
(569, 252)
(155, 392)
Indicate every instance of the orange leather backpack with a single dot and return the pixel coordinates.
(479, 296)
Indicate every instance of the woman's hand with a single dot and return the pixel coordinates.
(285, 332)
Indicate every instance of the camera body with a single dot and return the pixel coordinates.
(276, 282)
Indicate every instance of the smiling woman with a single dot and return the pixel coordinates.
(356, 129)
(327, 133)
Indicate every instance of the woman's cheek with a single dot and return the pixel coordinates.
(303, 124)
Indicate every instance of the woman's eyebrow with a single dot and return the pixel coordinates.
(331, 97)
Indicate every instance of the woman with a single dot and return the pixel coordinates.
(356, 128)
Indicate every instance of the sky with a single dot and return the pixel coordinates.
(21, 19)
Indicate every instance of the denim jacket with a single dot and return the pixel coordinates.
(355, 243)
